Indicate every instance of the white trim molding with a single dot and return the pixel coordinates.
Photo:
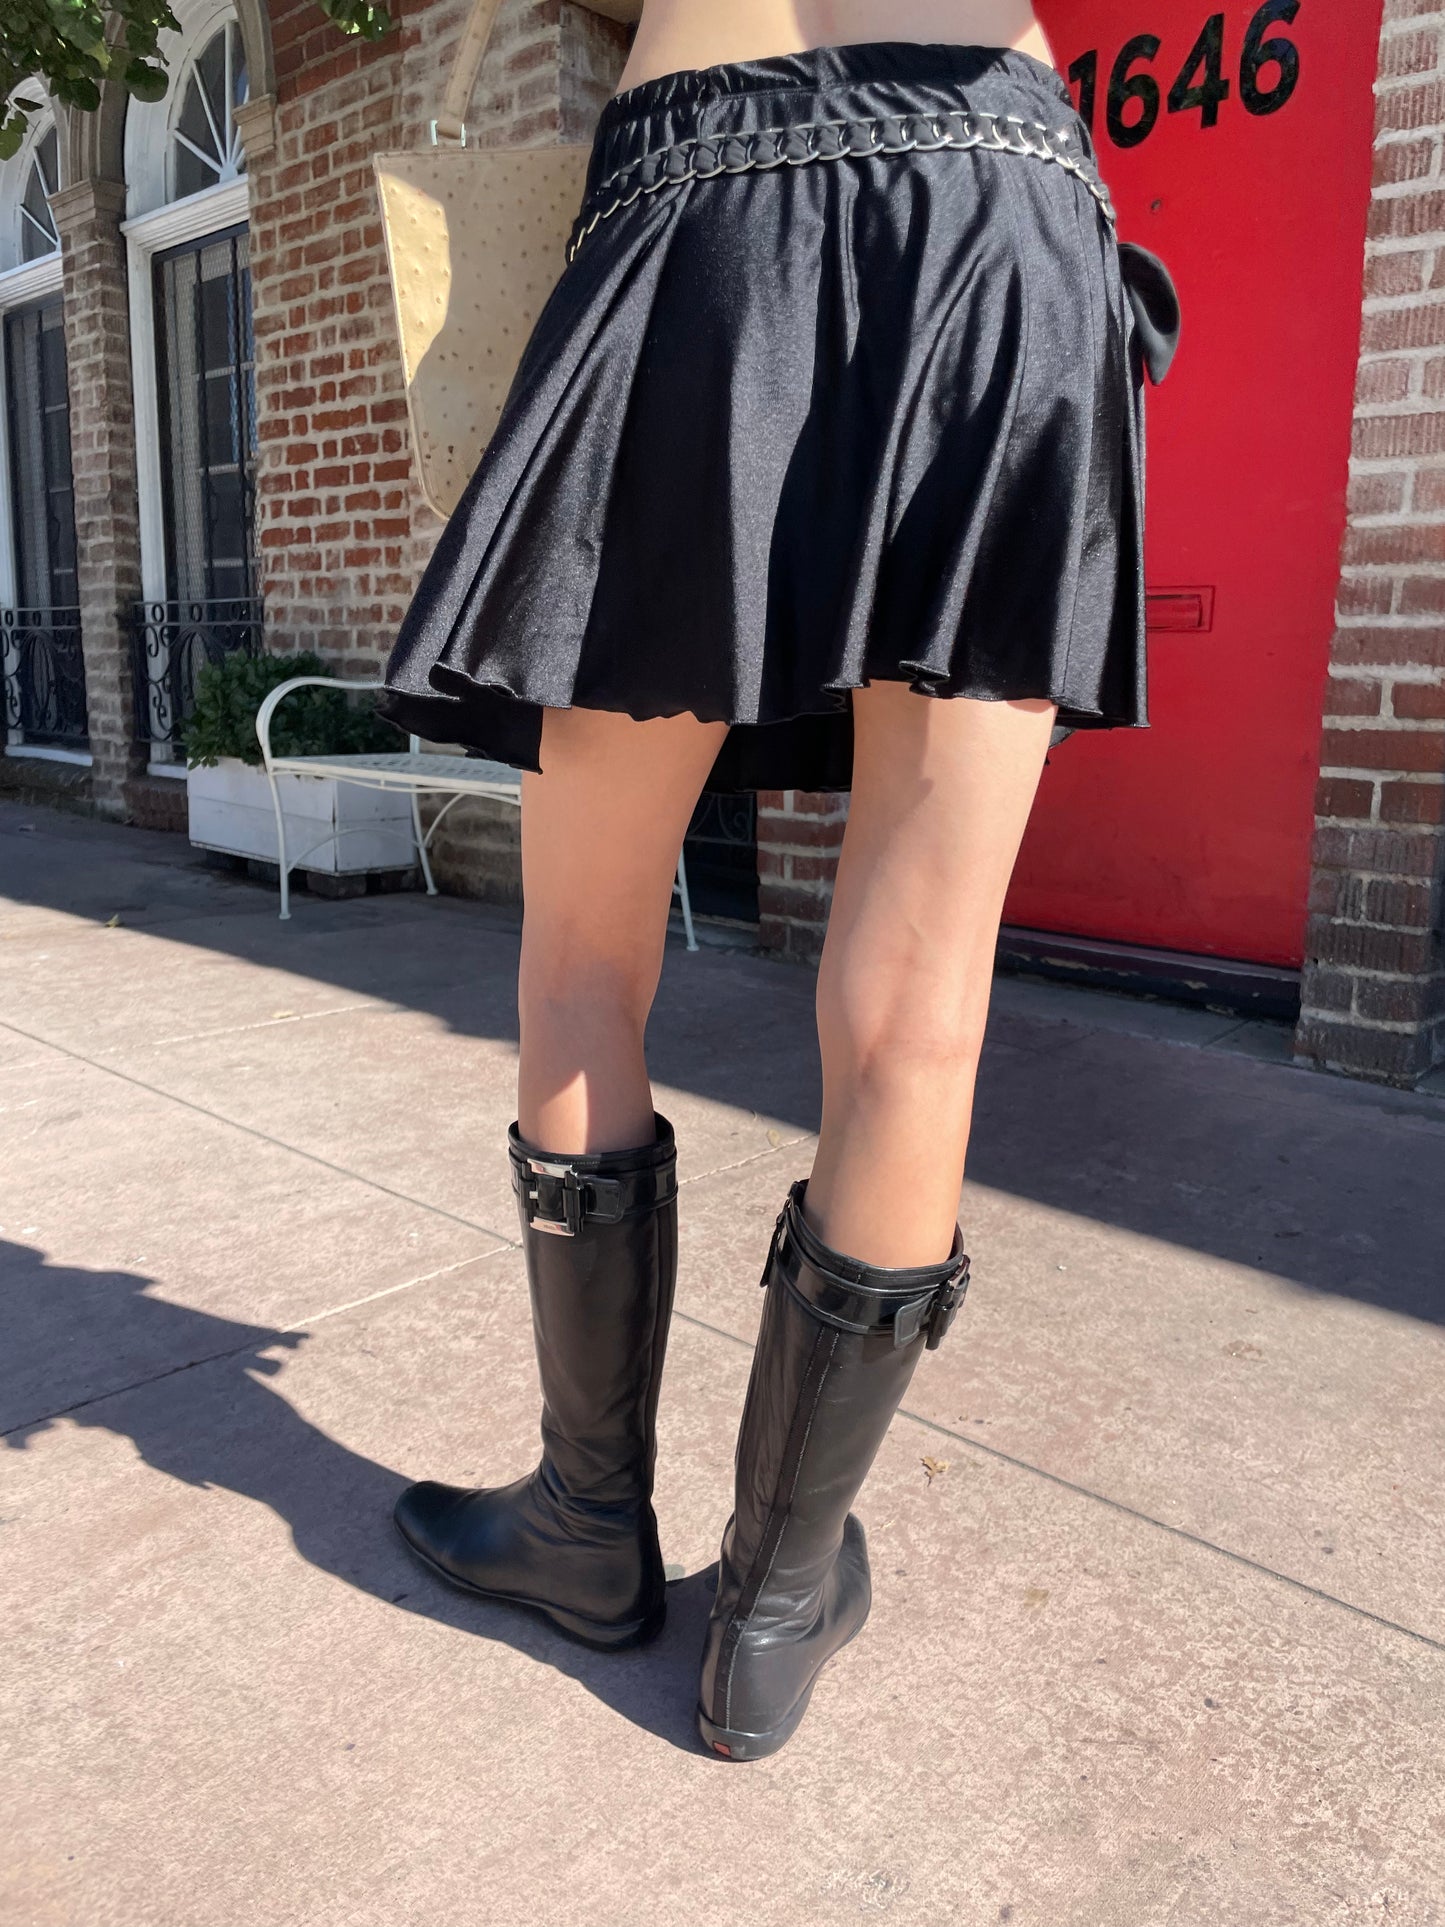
(146, 236)
(42, 753)
(150, 125)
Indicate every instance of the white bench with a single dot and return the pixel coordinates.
(414, 772)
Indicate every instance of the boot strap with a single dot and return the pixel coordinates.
(559, 1199)
(841, 1292)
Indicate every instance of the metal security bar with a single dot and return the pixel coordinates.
(171, 643)
(44, 677)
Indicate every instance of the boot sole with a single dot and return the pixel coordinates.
(600, 1637)
(729, 1744)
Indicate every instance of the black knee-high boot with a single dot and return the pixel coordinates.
(577, 1539)
(838, 1345)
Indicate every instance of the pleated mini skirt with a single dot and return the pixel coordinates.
(843, 382)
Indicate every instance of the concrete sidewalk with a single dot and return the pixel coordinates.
(1159, 1632)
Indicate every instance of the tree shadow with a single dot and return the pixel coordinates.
(204, 1408)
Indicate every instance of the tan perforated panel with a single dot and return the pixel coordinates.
(476, 239)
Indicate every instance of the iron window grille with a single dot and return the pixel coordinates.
(172, 642)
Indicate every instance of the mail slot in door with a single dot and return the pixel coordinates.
(1237, 144)
(1170, 610)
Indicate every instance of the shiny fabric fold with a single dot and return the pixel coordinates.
(782, 432)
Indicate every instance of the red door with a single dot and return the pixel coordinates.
(1237, 145)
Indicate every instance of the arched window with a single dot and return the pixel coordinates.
(187, 199)
(42, 673)
(38, 234)
(205, 146)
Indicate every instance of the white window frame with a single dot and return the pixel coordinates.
(155, 224)
(20, 287)
(211, 212)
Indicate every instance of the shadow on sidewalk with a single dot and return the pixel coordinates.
(1332, 1186)
(222, 1423)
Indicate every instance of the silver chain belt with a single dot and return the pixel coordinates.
(702, 159)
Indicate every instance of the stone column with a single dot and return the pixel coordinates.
(102, 453)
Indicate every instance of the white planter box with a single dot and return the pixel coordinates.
(230, 809)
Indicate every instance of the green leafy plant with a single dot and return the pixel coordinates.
(64, 45)
(312, 722)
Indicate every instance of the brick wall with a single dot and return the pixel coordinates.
(799, 840)
(102, 452)
(343, 527)
(1374, 982)
(333, 475)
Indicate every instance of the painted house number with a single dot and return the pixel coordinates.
(1268, 75)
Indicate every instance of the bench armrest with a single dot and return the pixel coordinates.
(268, 707)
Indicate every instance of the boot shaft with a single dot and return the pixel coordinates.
(840, 1341)
(600, 1235)
(838, 1345)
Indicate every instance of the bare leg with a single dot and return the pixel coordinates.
(941, 793)
(601, 831)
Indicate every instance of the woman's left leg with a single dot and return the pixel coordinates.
(942, 791)
(867, 1263)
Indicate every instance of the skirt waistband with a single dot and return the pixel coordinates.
(833, 103)
(904, 63)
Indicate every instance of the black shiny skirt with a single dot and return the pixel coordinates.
(843, 381)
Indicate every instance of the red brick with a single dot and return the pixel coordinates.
(1322, 988)
(1400, 216)
(1413, 802)
(1376, 494)
(1403, 54)
(1420, 701)
(1391, 330)
(1353, 696)
(1409, 644)
(1408, 160)
(1406, 542)
(1390, 849)
(801, 833)
(1387, 1056)
(1403, 905)
(1404, 107)
(1344, 796)
(1383, 381)
(1379, 1000)
(1363, 947)
(1423, 595)
(1415, 750)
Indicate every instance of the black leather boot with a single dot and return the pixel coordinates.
(577, 1540)
(838, 1345)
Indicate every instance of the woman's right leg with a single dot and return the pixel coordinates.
(594, 1169)
(601, 832)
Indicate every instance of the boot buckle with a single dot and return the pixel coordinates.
(932, 1315)
(943, 1307)
(560, 1202)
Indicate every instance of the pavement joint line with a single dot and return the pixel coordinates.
(741, 1164)
(1177, 1532)
(974, 1445)
(240, 1351)
(390, 1291)
(263, 1137)
(241, 1030)
(341, 1170)
(916, 1418)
